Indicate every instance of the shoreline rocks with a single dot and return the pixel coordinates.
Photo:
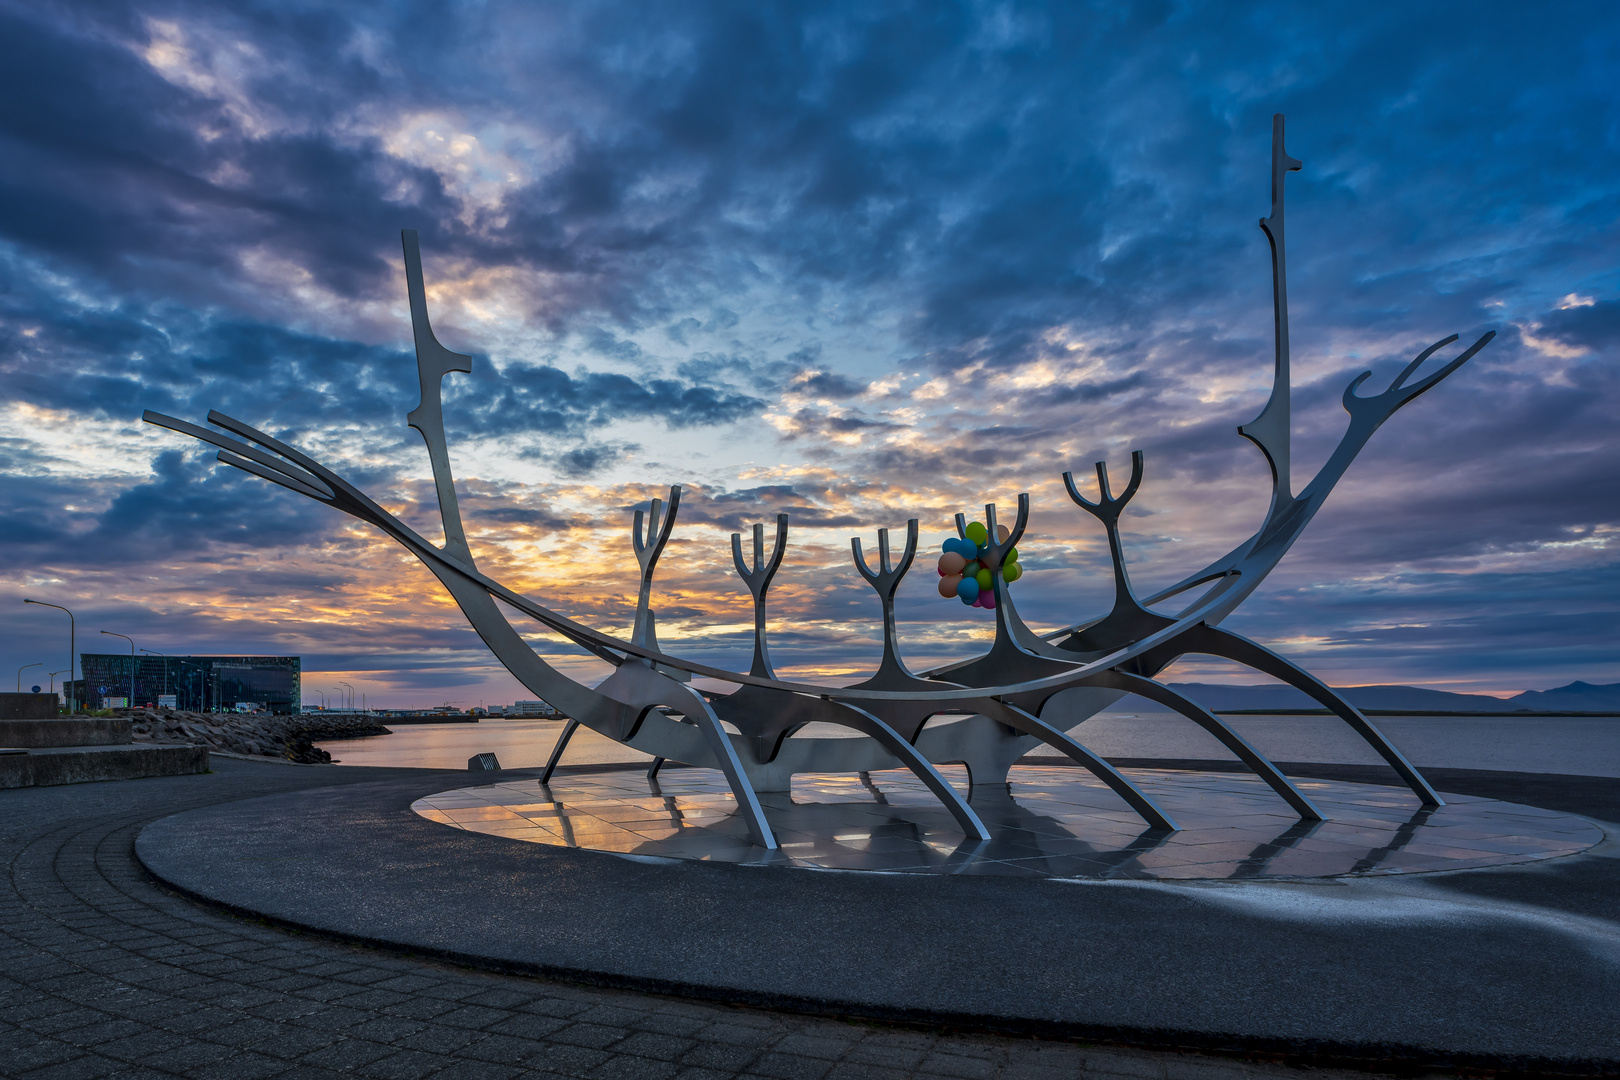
(291, 738)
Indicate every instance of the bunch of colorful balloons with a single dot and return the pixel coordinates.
(966, 569)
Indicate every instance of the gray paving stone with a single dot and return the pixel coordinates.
(790, 1067)
(88, 1067)
(502, 1049)
(626, 1067)
(242, 1065)
(720, 1057)
(403, 1065)
(39, 1054)
(528, 1026)
(815, 1045)
(595, 1036)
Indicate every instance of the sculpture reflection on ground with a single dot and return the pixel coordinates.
(1052, 821)
(1028, 689)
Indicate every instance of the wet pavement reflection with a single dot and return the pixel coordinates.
(1051, 821)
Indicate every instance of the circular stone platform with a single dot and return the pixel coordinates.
(1052, 822)
(1497, 967)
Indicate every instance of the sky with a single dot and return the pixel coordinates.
(854, 262)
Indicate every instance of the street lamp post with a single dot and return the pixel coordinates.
(22, 669)
(72, 644)
(54, 674)
(351, 696)
(126, 637)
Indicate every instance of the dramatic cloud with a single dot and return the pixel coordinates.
(855, 263)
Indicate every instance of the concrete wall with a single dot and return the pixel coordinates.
(66, 731)
(29, 706)
(79, 764)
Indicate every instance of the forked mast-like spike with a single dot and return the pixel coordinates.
(649, 545)
(1107, 510)
(758, 581)
(433, 363)
(1271, 430)
(886, 580)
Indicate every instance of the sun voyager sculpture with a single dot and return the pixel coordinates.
(1029, 688)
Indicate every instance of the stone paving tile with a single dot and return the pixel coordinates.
(103, 973)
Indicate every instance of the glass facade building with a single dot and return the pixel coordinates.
(197, 683)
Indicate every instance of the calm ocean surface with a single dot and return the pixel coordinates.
(1579, 745)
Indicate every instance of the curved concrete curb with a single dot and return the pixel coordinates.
(1510, 969)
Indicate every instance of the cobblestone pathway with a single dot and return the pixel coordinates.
(103, 973)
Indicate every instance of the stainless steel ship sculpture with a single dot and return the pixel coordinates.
(1029, 688)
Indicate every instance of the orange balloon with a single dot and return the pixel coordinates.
(952, 563)
(948, 584)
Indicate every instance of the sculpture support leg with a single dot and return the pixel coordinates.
(890, 740)
(1214, 641)
(557, 751)
(1157, 691)
(714, 734)
(1138, 799)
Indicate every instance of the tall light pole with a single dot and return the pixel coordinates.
(54, 674)
(22, 669)
(351, 695)
(72, 643)
(153, 652)
(126, 637)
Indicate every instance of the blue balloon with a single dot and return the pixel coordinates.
(965, 548)
(968, 590)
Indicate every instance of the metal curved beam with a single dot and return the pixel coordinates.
(563, 740)
(1154, 814)
(1262, 766)
(890, 740)
(1213, 641)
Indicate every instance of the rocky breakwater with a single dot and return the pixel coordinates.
(254, 734)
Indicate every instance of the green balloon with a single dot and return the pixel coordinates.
(1011, 556)
(983, 578)
(977, 533)
(1011, 573)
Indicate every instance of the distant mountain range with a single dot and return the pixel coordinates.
(1219, 697)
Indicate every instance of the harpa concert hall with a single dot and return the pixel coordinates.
(197, 683)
